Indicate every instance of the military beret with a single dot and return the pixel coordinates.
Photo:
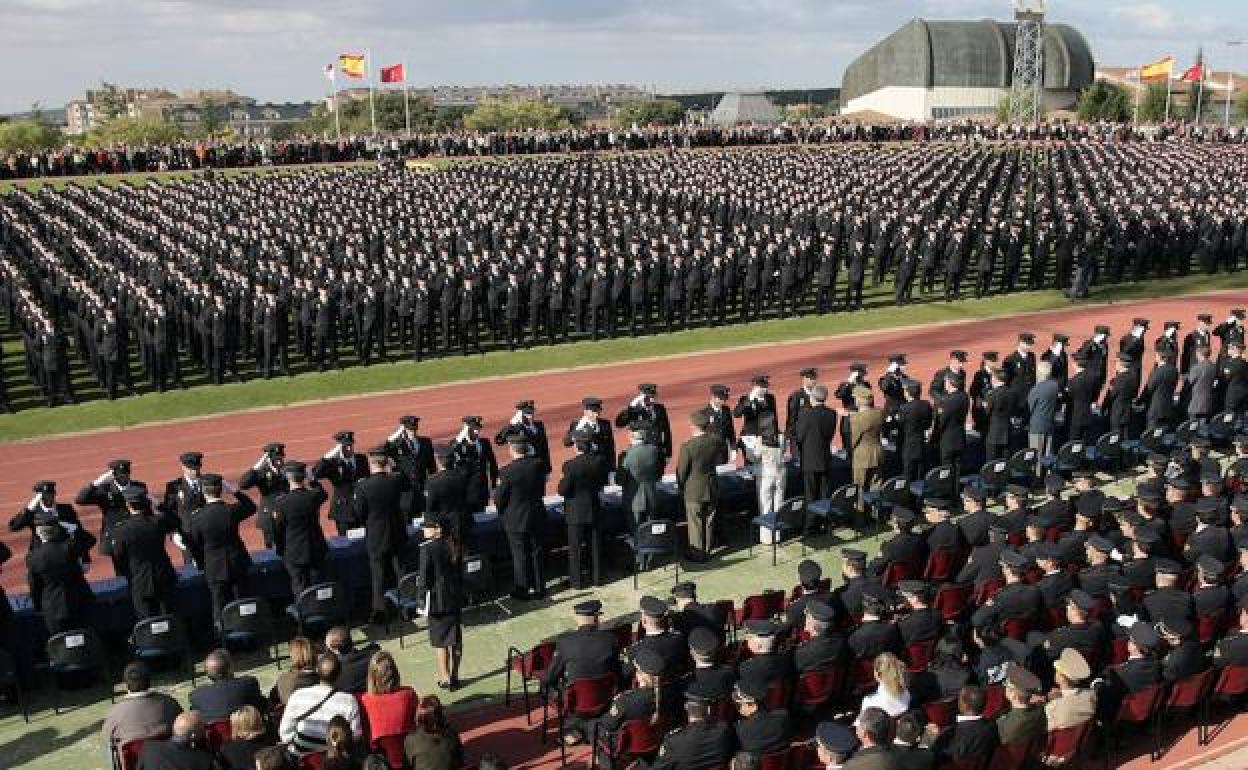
(1205, 317)
(295, 467)
(45, 487)
(1144, 322)
(990, 355)
(345, 437)
(191, 459)
(1167, 567)
(653, 607)
(1144, 635)
(409, 421)
(134, 493)
(588, 608)
(648, 662)
(685, 590)
(809, 572)
(836, 738)
(1027, 337)
(761, 628)
(1172, 325)
(1081, 599)
(1073, 665)
(821, 611)
(853, 556)
(750, 691)
(1013, 559)
(719, 391)
(119, 466)
(1100, 543)
(703, 641)
(761, 380)
(700, 419)
(1022, 679)
(648, 388)
(211, 479)
(809, 373)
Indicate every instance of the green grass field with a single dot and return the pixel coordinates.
(311, 386)
(142, 178)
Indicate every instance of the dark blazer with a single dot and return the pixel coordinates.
(241, 754)
(1158, 393)
(441, 577)
(876, 758)
(914, 419)
(696, 746)
(353, 677)
(814, 431)
(378, 500)
(584, 477)
(139, 547)
(217, 700)
(951, 420)
(963, 740)
(297, 532)
(518, 496)
(167, 755)
(215, 542)
(1000, 404)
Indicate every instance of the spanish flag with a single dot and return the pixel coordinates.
(353, 65)
(1158, 70)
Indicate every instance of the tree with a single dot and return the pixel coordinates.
(515, 115)
(212, 114)
(1241, 108)
(135, 131)
(1153, 103)
(28, 136)
(450, 118)
(652, 112)
(1007, 101)
(110, 102)
(391, 116)
(1104, 101)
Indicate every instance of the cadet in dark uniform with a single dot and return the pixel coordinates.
(719, 416)
(825, 648)
(760, 731)
(106, 494)
(534, 432)
(139, 544)
(710, 681)
(215, 541)
(654, 699)
(442, 578)
(921, 622)
(645, 408)
(519, 500)
(377, 509)
(1120, 396)
(767, 666)
(1141, 669)
(342, 467)
(43, 505)
(1020, 366)
(877, 633)
(477, 457)
(267, 477)
(598, 431)
(58, 588)
(184, 495)
(584, 477)
(702, 744)
(297, 533)
(413, 457)
(587, 652)
(657, 637)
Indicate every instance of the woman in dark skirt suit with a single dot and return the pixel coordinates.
(442, 579)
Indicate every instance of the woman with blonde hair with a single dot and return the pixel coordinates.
(247, 736)
(892, 694)
(389, 707)
(302, 671)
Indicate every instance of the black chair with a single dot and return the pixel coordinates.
(478, 578)
(835, 510)
(318, 608)
(1107, 454)
(245, 624)
(894, 492)
(408, 600)
(9, 680)
(1187, 430)
(1022, 467)
(789, 517)
(162, 638)
(1154, 441)
(994, 477)
(1221, 428)
(655, 539)
(77, 653)
(1071, 456)
(940, 482)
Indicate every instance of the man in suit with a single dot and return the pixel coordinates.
(1082, 390)
(353, 662)
(267, 477)
(139, 545)
(1042, 407)
(1000, 405)
(378, 507)
(914, 419)
(225, 692)
(1025, 721)
(866, 451)
(638, 473)
(874, 729)
(186, 748)
(644, 408)
(699, 489)
(814, 432)
(518, 498)
(584, 477)
(342, 467)
(1071, 704)
(215, 542)
(297, 533)
(971, 736)
(142, 713)
(589, 651)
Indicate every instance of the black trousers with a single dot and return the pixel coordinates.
(952, 457)
(815, 485)
(579, 536)
(526, 562)
(912, 468)
(150, 606)
(998, 451)
(302, 576)
(384, 570)
(222, 592)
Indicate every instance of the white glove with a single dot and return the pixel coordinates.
(398, 433)
(34, 500)
(69, 527)
(756, 393)
(1115, 555)
(103, 478)
(1126, 621)
(177, 540)
(260, 463)
(517, 418)
(463, 434)
(335, 451)
(640, 400)
(584, 423)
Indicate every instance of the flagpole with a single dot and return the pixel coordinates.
(1200, 91)
(372, 110)
(1139, 86)
(407, 111)
(1169, 76)
(333, 96)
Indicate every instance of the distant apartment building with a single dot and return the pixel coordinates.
(190, 110)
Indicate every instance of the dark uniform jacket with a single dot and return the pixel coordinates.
(215, 542)
(814, 431)
(297, 533)
(584, 477)
(58, 588)
(377, 507)
(518, 496)
(696, 746)
(583, 653)
(139, 547)
(441, 577)
(765, 732)
(342, 473)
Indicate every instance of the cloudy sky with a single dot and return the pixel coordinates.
(51, 50)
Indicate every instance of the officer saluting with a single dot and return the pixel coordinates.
(183, 495)
(342, 467)
(139, 545)
(58, 588)
(534, 432)
(598, 432)
(266, 476)
(477, 456)
(413, 457)
(297, 533)
(644, 407)
(106, 494)
(214, 540)
(44, 505)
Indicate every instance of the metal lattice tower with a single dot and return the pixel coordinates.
(1026, 89)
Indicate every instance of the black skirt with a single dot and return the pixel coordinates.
(445, 630)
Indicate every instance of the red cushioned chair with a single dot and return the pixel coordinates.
(636, 739)
(941, 713)
(1188, 696)
(776, 760)
(126, 755)
(994, 701)
(585, 698)
(1017, 628)
(1064, 745)
(824, 586)
(762, 606)
(951, 599)
(942, 565)
(1117, 651)
(897, 571)
(313, 761)
(988, 589)
(815, 688)
(530, 666)
(217, 734)
(778, 694)
(862, 675)
(1141, 707)
(1210, 628)
(919, 654)
(728, 611)
(1013, 756)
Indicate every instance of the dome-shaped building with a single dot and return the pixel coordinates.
(942, 69)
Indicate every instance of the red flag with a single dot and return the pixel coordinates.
(393, 74)
(1195, 74)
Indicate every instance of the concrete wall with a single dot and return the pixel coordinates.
(907, 103)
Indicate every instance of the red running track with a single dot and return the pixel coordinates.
(231, 443)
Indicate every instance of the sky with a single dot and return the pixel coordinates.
(275, 50)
